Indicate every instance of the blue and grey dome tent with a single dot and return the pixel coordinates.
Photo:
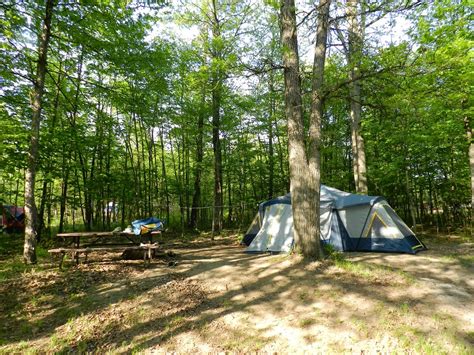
(349, 222)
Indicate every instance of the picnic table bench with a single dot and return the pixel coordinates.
(101, 243)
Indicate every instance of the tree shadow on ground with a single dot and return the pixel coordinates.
(282, 288)
(61, 297)
(230, 282)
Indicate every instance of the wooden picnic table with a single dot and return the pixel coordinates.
(99, 243)
(101, 236)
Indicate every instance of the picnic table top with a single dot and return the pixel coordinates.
(99, 234)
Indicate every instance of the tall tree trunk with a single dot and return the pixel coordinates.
(467, 125)
(271, 158)
(216, 88)
(49, 167)
(229, 183)
(177, 177)
(164, 176)
(29, 248)
(304, 171)
(198, 164)
(304, 229)
(354, 55)
(312, 247)
(216, 143)
(284, 177)
(62, 210)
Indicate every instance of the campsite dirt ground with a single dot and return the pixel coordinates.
(217, 298)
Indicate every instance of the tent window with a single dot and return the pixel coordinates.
(398, 221)
(375, 226)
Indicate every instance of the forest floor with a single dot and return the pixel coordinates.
(217, 298)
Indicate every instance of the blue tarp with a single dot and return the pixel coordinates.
(142, 226)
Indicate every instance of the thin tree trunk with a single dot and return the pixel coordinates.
(29, 248)
(271, 158)
(165, 178)
(354, 57)
(228, 184)
(49, 166)
(198, 164)
(468, 128)
(64, 187)
(177, 177)
(216, 122)
(284, 179)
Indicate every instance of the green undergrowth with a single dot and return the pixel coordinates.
(11, 257)
(369, 271)
(466, 261)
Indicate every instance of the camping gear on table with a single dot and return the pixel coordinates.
(349, 222)
(144, 226)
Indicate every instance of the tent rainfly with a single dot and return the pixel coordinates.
(349, 222)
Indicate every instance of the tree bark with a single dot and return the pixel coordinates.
(271, 159)
(49, 166)
(29, 249)
(304, 170)
(354, 55)
(468, 128)
(313, 248)
(198, 164)
(164, 176)
(216, 89)
(64, 189)
(305, 223)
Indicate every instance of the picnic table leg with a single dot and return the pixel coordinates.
(63, 254)
(149, 254)
(76, 256)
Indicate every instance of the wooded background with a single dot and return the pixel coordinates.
(172, 109)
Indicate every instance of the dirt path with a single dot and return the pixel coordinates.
(218, 298)
(367, 302)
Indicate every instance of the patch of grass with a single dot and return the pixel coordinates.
(176, 321)
(337, 347)
(466, 261)
(370, 271)
(361, 327)
(306, 322)
(227, 303)
(12, 268)
(303, 296)
(57, 342)
(23, 347)
(137, 349)
(331, 293)
(244, 342)
(425, 345)
(135, 317)
(417, 339)
(406, 335)
(444, 319)
(11, 258)
(404, 308)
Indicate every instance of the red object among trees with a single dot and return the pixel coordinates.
(12, 218)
